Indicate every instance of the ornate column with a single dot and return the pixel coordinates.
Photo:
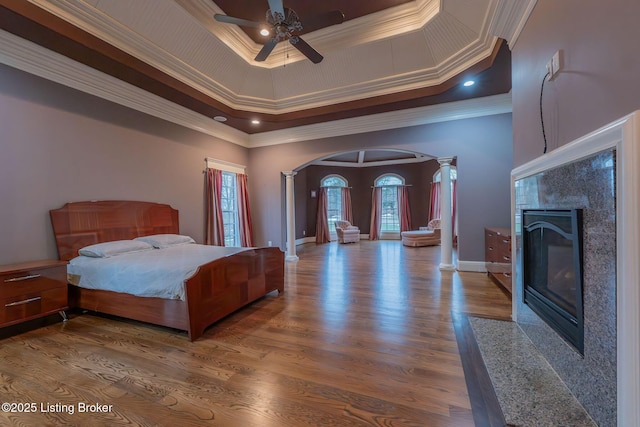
(291, 217)
(446, 224)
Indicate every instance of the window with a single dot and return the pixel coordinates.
(453, 173)
(229, 220)
(230, 209)
(334, 184)
(390, 219)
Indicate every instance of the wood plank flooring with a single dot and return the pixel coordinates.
(362, 336)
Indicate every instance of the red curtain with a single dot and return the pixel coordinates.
(404, 212)
(214, 228)
(347, 213)
(244, 213)
(322, 226)
(434, 207)
(376, 213)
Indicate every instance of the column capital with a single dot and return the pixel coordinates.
(289, 173)
(445, 160)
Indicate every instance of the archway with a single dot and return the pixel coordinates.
(356, 167)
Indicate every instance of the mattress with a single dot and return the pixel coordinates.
(159, 273)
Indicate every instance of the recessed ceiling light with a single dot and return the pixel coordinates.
(469, 83)
(220, 119)
(255, 121)
(264, 32)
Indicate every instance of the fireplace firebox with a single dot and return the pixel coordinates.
(552, 270)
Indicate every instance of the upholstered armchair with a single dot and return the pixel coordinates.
(426, 236)
(346, 232)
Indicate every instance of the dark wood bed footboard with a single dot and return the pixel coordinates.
(225, 285)
(218, 288)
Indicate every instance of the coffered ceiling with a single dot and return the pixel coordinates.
(387, 56)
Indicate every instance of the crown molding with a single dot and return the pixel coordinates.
(24, 55)
(392, 22)
(370, 164)
(477, 107)
(366, 29)
(35, 59)
(510, 19)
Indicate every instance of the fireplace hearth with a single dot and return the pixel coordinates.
(552, 270)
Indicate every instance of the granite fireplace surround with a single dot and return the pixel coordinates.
(598, 174)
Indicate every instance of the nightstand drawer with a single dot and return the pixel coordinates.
(32, 289)
(31, 305)
(32, 281)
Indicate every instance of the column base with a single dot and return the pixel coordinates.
(447, 267)
(292, 258)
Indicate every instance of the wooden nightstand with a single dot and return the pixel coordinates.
(32, 289)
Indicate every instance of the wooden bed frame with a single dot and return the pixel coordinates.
(219, 288)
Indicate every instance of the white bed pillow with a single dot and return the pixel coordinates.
(161, 241)
(116, 247)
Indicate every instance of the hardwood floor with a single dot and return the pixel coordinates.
(363, 335)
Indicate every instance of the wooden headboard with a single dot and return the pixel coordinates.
(79, 224)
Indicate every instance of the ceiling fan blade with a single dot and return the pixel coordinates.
(324, 20)
(306, 50)
(276, 6)
(266, 49)
(238, 21)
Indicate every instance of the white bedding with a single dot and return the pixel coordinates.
(154, 273)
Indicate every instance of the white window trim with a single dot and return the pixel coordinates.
(225, 166)
(389, 235)
(333, 235)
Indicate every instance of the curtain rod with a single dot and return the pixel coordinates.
(392, 185)
(333, 186)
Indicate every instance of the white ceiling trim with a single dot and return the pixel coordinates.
(361, 164)
(403, 17)
(35, 59)
(477, 107)
(370, 164)
(510, 18)
(366, 29)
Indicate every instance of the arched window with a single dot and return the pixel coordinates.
(390, 219)
(334, 184)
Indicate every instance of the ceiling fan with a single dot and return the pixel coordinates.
(282, 24)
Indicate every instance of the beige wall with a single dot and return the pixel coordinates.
(483, 147)
(59, 145)
(599, 82)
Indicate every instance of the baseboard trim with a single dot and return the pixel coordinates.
(475, 266)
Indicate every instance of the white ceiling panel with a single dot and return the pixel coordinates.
(411, 53)
(471, 13)
(447, 36)
(180, 38)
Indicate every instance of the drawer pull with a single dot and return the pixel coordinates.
(20, 279)
(506, 241)
(506, 258)
(25, 301)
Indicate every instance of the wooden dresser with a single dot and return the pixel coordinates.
(32, 289)
(497, 244)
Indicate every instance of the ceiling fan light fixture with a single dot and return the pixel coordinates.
(468, 83)
(283, 24)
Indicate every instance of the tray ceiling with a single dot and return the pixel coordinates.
(386, 56)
